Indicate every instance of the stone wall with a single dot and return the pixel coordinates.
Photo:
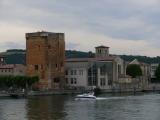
(45, 57)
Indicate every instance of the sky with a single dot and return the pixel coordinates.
(129, 27)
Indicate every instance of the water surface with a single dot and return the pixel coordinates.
(63, 107)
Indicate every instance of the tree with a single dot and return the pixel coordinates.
(157, 73)
(17, 81)
(134, 70)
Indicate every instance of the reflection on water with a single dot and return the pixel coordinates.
(124, 107)
(46, 108)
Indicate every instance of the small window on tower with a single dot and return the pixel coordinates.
(49, 46)
(39, 47)
(56, 65)
(36, 67)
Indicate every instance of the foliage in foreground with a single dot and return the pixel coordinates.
(157, 74)
(17, 81)
(134, 70)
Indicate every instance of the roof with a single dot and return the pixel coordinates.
(109, 58)
(41, 33)
(135, 61)
(102, 46)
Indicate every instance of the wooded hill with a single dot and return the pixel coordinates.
(17, 56)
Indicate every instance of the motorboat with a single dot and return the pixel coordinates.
(86, 96)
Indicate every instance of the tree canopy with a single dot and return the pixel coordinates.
(17, 81)
(157, 73)
(134, 70)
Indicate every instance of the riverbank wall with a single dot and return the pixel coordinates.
(150, 88)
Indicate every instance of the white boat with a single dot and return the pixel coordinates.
(86, 96)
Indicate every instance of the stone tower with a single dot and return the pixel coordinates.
(45, 55)
(102, 51)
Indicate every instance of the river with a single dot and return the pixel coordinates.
(63, 107)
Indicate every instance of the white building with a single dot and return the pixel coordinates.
(11, 69)
(142, 81)
(102, 71)
(153, 70)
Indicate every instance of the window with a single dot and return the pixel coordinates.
(102, 82)
(71, 80)
(80, 72)
(49, 46)
(56, 80)
(75, 81)
(102, 70)
(72, 72)
(106, 51)
(109, 82)
(119, 69)
(66, 72)
(36, 67)
(75, 72)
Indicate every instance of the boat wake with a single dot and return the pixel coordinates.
(101, 98)
(109, 98)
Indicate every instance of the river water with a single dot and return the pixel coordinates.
(63, 107)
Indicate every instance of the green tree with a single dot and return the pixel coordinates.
(157, 73)
(134, 70)
(17, 81)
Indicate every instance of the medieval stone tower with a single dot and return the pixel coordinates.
(45, 56)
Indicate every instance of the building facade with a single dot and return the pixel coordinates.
(45, 55)
(11, 69)
(154, 67)
(142, 81)
(103, 71)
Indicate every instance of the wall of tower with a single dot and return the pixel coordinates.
(45, 58)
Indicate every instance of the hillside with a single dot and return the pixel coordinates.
(19, 56)
(15, 56)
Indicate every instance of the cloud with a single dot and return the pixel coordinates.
(88, 41)
(86, 23)
(71, 46)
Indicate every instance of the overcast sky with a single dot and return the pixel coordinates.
(126, 26)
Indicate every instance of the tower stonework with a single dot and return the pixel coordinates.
(45, 56)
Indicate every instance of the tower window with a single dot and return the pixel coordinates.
(36, 67)
(39, 47)
(56, 65)
(49, 46)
